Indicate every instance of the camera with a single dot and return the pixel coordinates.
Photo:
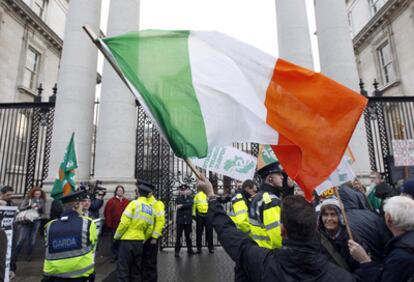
(94, 188)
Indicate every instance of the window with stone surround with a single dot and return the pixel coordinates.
(377, 4)
(38, 6)
(31, 68)
(386, 65)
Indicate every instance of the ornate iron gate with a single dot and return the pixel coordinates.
(25, 141)
(156, 163)
(387, 119)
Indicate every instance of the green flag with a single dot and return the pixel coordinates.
(65, 181)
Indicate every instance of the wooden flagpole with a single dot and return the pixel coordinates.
(348, 229)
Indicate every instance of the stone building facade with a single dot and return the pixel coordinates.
(383, 40)
(31, 39)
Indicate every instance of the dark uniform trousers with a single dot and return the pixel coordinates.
(149, 261)
(187, 233)
(129, 264)
(201, 222)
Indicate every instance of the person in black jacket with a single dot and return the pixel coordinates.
(398, 264)
(184, 219)
(366, 225)
(299, 259)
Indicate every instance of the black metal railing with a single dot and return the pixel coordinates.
(25, 141)
(156, 162)
(387, 119)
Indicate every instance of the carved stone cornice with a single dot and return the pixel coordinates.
(30, 17)
(381, 17)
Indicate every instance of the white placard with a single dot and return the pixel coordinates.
(7, 215)
(342, 174)
(229, 161)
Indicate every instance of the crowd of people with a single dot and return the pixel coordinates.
(270, 231)
(274, 234)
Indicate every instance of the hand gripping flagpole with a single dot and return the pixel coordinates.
(348, 229)
(95, 39)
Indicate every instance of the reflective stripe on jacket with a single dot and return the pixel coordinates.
(264, 219)
(200, 204)
(70, 246)
(239, 213)
(136, 220)
(159, 222)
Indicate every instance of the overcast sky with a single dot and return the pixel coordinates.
(251, 21)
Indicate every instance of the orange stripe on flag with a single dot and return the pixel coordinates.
(315, 117)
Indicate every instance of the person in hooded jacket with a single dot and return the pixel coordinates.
(398, 262)
(366, 225)
(299, 259)
(334, 236)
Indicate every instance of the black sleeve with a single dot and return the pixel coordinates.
(394, 268)
(56, 210)
(96, 205)
(238, 245)
(187, 205)
(179, 201)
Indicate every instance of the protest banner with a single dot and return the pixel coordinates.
(342, 174)
(7, 215)
(229, 161)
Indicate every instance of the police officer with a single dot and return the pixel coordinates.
(70, 243)
(184, 219)
(150, 249)
(200, 209)
(239, 214)
(135, 225)
(264, 213)
(239, 209)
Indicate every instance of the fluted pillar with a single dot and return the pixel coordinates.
(293, 32)
(76, 88)
(338, 62)
(116, 135)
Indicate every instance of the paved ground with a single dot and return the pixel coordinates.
(216, 267)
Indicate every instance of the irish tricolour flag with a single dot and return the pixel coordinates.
(205, 89)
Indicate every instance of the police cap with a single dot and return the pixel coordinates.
(183, 187)
(74, 197)
(145, 187)
(269, 169)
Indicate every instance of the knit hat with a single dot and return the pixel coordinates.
(332, 203)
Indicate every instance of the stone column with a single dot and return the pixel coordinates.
(338, 62)
(76, 88)
(293, 32)
(116, 132)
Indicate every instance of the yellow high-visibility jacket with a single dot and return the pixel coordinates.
(264, 219)
(239, 213)
(137, 218)
(159, 213)
(70, 246)
(200, 204)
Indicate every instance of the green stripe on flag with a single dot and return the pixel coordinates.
(157, 64)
